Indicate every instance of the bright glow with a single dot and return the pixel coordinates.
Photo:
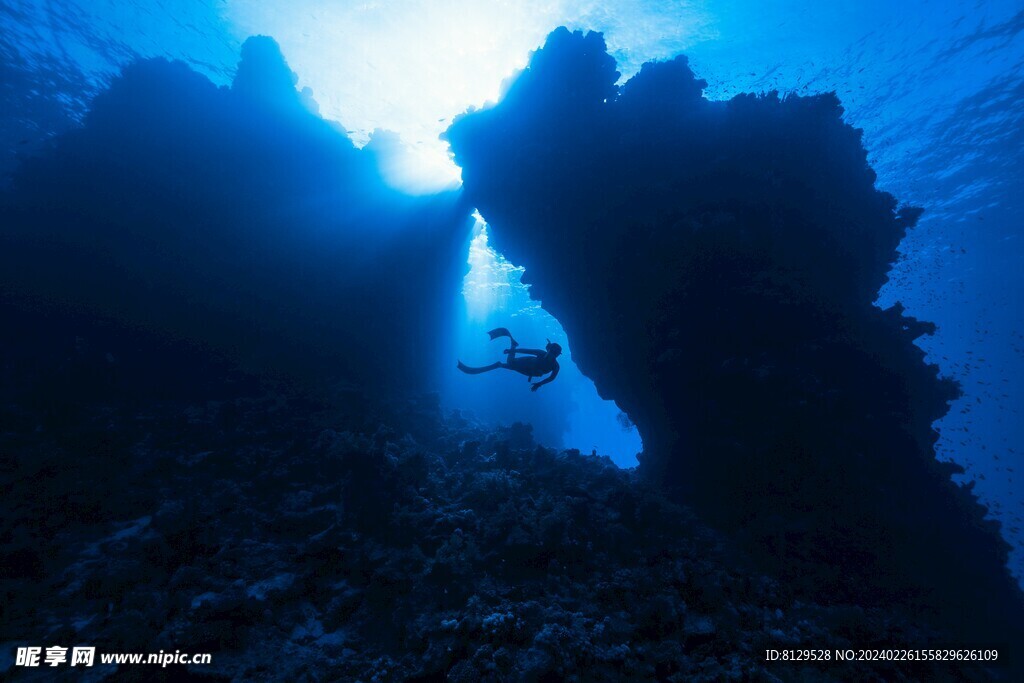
(409, 66)
(495, 296)
(422, 168)
(492, 281)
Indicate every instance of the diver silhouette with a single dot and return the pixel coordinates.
(533, 363)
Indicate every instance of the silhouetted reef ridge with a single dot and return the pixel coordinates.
(714, 265)
(236, 220)
(299, 540)
(216, 433)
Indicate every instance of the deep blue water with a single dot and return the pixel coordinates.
(937, 87)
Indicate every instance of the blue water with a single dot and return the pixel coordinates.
(937, 87)
(494, 296)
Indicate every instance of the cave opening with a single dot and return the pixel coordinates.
(568, 413)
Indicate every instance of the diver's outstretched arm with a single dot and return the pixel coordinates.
(546, 380)
(532, 352)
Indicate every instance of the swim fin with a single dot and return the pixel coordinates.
(470, 370)
(499, 332)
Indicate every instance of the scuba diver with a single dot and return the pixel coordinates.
(533, 363)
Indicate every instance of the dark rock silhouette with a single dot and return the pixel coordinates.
(292, 540)
(235, 220)
(211, 434)
(714, 265)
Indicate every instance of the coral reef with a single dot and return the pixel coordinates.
(215, 436)
(714, 265)
(237, 220)
(297, 541)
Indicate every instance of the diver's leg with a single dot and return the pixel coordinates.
(511, 351)
(469, 370)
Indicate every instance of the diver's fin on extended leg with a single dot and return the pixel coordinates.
(470, 370)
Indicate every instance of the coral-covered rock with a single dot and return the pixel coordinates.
(302, 550)
(714, 265)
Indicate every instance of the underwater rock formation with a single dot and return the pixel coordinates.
(296, 540)
(714, 265)
(233, 220)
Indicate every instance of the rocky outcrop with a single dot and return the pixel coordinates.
(232, 220)
(295, 541)
(714, 265)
